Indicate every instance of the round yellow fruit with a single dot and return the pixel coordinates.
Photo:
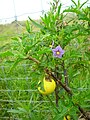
(49, 86)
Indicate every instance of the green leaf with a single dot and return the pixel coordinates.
(42, 19)
(36, 24)
(74, 3)
(46, 20)
(83, 4)
(15, 38)
(6, 54)
(78, 4)
(44, 50)
(59, 8)
(83, 17)
(28, 27)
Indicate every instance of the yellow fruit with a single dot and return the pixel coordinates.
(67, 117)
(49, 86)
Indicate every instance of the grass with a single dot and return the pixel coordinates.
(18, 92)
(6, 33)
(23, 100)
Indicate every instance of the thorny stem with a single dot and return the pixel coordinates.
(70, 92)
(87, 117)
(58, 81)
(33, 59)
(65, 73)
(57, 84)
(56, 94)
(64, 86)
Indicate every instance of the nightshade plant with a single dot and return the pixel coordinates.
(67, 61)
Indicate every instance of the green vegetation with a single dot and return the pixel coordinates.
(8, 31)
(28, 58)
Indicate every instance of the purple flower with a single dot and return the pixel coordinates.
(58, 52)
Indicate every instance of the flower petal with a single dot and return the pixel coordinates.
(58, 49)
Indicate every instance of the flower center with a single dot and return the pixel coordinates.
(50, 46)
(58, 53)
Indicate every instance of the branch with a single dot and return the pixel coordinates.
(59, 76)
(50, 73)
(57, 80)
(70, 92)
(65, 73)
(56, 94)
(64, 86)
(85, 114)
(33, 59)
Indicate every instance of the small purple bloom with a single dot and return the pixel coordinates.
(58, 52)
